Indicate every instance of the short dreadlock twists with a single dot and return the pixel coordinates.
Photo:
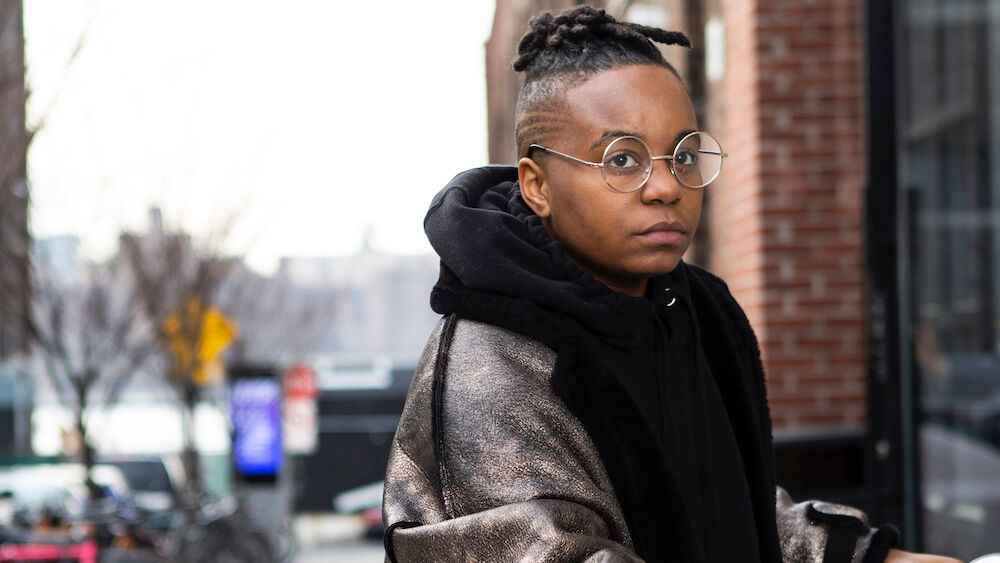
(562, 50)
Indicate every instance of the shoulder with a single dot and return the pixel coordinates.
(479, 365)
(487, 396)
(461, 350)
(471, 376)
(473, 343)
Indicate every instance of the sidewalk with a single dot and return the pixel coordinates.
(348, 551)
(323, 537)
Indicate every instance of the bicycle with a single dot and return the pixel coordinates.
(221, 532)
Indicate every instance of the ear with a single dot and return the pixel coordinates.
(534, 189)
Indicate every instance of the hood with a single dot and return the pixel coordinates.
(490, 242)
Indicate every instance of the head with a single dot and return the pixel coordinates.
(588, 80)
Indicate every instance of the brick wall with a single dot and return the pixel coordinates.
(786, 215)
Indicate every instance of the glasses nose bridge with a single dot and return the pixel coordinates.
(669, 163)
(668, 160)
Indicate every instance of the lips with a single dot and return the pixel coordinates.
(665, 232)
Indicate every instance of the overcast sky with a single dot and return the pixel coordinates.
(307, 121)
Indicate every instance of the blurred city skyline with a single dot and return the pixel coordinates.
(309, 127)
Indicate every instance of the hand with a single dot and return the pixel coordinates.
(899, 556)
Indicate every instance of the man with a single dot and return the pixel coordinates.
(588, 396)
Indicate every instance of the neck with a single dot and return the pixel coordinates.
(634, 289)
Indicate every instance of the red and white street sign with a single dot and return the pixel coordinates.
(300, 383)
(300, 421)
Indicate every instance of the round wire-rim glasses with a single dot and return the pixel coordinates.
(627, 163)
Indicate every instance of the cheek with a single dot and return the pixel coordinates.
(571, 220)
(591, 228)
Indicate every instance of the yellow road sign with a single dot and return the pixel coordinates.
(197, 336)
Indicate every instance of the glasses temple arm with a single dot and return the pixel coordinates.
(573, 158)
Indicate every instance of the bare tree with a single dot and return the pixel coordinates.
(146, 308)
(89, 333)
(83, 362)
(176, 288)
(149, 310)
(186, 289)
(14, 141)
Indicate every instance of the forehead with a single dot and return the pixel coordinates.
(646, 100)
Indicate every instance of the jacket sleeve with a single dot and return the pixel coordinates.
(822, 532)
(488, 465)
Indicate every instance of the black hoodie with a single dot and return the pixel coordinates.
(669, 386)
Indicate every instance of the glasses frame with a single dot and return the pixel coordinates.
(649, 169)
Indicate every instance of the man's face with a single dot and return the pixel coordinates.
(621, 238)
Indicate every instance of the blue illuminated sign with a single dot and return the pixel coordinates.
(255, 407)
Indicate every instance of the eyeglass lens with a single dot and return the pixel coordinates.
(697, 160)
(627, 164)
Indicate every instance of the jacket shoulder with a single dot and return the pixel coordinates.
(484, 354)
(466, 367)
(482, 431)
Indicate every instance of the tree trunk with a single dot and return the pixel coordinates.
(88, 458)
(189, 455)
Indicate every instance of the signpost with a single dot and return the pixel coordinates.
(300, 419)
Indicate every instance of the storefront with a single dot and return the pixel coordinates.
(934, 266)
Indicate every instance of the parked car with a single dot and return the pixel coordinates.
(365, 501)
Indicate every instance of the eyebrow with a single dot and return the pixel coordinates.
(607, 135)
(614, 134)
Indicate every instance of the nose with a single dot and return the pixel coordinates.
(661, 187)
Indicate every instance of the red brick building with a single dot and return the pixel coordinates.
(786, 217)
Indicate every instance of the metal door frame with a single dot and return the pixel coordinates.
(893, 472)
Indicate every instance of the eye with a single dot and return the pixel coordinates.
(622, 160)
(685, 158)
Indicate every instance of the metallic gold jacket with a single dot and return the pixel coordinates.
(487, 464)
